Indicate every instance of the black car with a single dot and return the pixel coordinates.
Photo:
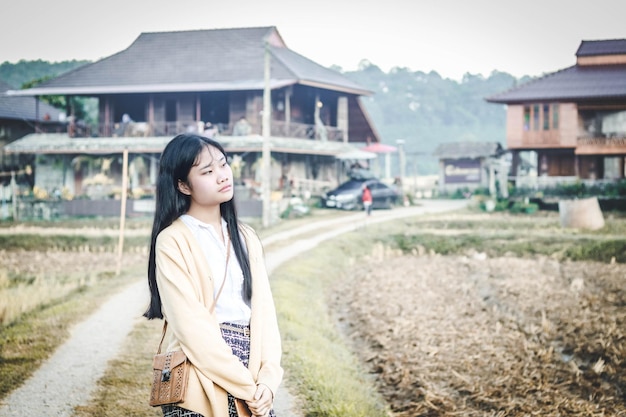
(348, 195)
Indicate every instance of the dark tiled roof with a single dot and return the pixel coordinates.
(472, 150)
(577, 83)
(23, 108)
(602, 47)
(197, 60)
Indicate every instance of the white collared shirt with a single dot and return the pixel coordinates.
(230, 305)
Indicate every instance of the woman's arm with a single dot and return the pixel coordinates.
(185, 303)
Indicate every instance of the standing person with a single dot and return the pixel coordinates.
(366, 197)
(235, 348)
(210, 130)
(242, 127)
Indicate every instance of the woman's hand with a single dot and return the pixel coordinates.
(262, 403)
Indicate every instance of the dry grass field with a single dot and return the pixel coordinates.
(499, 326)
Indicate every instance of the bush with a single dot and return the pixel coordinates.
(524, 207)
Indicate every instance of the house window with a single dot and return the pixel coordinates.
(526, 118)
(536, 115)
(546, 117)
(555, 116)
(542, 116)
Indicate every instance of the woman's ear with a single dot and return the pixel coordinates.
(183, 188)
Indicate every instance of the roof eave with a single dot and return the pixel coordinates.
(43, 143)
(153, 88)
(560, 99)
(344, 89)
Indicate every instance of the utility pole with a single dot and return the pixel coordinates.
(266, 177)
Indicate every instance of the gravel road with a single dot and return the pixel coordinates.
(68, 378)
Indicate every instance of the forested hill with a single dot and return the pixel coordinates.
(423, 109)
(22, 72)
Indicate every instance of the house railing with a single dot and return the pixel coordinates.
(145, 129)
(306, 131)
(615, 141)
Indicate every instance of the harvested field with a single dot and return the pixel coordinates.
(473, 335)
(30, 279)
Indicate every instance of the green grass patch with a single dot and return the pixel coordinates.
(42, 242)
(601, 251)
(112, 222)
(504, 234)
(323, 370)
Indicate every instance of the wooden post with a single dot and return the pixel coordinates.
(266, 153)
(14, 196)
(288, 112)
(120, 244)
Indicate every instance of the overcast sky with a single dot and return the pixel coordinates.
(452, 37)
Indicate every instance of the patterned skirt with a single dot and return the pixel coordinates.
(237, 336)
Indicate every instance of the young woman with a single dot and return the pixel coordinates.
(234, 347)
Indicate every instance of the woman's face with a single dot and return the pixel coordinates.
(210, 180)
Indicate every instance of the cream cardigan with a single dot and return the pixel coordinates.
(185, 286)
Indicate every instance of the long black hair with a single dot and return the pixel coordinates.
(180, 154)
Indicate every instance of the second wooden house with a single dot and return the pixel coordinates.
(570, 125)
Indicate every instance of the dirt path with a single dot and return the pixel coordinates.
(71, 374)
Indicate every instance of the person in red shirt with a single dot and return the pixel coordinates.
(367, 199)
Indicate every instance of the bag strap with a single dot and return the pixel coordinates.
(219, 292)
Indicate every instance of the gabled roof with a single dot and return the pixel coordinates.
(577, 83)
(600, 81)
(197, 60)
(471, 150)
(602, 47)
(24, 108)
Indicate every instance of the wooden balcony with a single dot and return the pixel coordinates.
(601, 145)
(306, 131)
(158, 129)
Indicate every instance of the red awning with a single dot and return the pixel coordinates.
(379, 148)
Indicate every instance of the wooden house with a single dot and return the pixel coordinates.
(20, 116)
(166, 83)
(572, 122)
(467, 166)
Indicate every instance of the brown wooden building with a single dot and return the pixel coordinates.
(573, 121)
(20, 116)
(166, 83)
(468, 165)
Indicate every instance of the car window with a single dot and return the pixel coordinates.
(351, 185)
